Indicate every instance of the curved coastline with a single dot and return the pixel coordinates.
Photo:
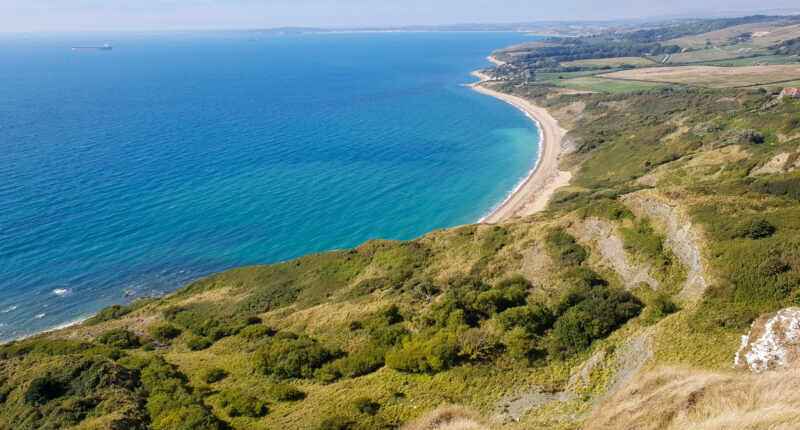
(533, 193)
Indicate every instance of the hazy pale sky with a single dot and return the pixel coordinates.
(116, 15)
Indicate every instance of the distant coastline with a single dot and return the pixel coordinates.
(532, 194)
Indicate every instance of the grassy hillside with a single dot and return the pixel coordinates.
(681, 225)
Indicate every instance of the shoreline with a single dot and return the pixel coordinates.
(534, 192)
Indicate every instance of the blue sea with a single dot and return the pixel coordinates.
(128, 173)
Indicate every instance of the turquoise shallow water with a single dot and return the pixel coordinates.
(172, 157)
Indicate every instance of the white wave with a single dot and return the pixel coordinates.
(8, 309)
(38, 315)
(524, 179)
(60, 292)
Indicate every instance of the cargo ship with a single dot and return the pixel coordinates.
(105, 47)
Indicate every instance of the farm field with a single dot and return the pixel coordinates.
(710, 76)
(598, 84)
(763, 34)
(716, 53)
(611, 62)
(759, 60)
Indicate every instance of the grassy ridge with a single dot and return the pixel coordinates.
(484, 316)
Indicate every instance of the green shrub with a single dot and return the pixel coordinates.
(384, 317)
(367, 360)
(238, 403)
(563, 248)
(285, 393)
(365, 405)
(431, 351)
(388, 336)
(741, 136)
(772, 266)
(118, 311)
(213, 374)
(336, 423)
(659, 306)
(108, 313)
(43, 389)
(598, 311)
(535, 319)
(255, 332)
(520, 343)
(197, 343)
(754, 229)
(163, 331)
(507, 293)
(119, 338)
(605, 208)
(290, 356)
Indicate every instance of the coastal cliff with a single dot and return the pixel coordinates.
(617, 298)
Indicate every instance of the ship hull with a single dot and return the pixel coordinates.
(91, 48)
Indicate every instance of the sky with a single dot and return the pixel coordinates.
(157, 15)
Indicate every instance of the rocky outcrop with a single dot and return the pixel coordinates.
(681, 238)
(772, 343)
(599, 234)
(775, 165)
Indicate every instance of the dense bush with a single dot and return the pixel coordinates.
(336, 423)
(205, 325)
(507, 293)
(169, 402)
(43, 389)
(753, 229)
(238, 403)
(430, 351)
(117, 311)
(598, 311)
(520, 343)
(197, 343)
(290, 356)
(163, 331)
(285, 393)
(659, 306)
(772, 266)
(365, 405)
(563, 249)
(255, 332)
(119, 338)
(383, 317)
(739, 136)
(213, 374)
(366, 360)
(534, 319)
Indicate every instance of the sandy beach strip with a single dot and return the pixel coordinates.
(534, 193)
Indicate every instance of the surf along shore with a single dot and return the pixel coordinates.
(535, 191)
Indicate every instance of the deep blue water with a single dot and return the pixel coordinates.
(173, 157)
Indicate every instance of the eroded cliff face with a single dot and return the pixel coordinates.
(772, 343)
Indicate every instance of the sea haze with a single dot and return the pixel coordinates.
(128, 173)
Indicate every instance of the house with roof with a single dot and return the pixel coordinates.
(790, 92)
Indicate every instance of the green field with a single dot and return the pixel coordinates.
(597, 84)
(611, 62)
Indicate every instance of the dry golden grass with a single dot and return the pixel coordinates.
(680, 398)
(452, 418)
(710, 76)
(764, 34)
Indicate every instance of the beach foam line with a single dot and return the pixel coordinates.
(521, 182)
(534, 192)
